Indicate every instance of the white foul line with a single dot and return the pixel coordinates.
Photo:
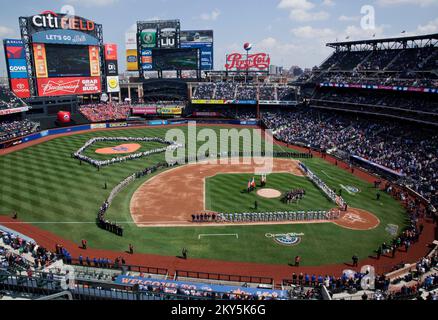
(218, 235)
(325, 174)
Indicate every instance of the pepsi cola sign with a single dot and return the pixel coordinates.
(239, 62)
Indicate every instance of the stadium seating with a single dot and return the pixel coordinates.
(8, 100)
(105, 112)
(397, 67)
(15, 129)
(19, 254)
(401, 148)
(243, 91)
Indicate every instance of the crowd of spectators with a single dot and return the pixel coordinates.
(243, 91)
(15, 129)
(395, 100)
(8, 100)
(408, 150)
(413, 67)
(14, 249)
(101, 112)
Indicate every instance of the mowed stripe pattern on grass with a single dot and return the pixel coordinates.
(43, 183)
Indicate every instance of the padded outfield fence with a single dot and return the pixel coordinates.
(224, 277)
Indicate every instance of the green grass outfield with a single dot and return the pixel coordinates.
(227, 193)
(49, 188)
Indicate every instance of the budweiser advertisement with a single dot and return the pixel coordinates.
(68, 86)
(242, 62)
(21, 88)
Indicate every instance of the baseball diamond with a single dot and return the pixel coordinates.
(156, 170)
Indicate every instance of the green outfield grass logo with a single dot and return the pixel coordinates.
(286, 239)
(350, 189)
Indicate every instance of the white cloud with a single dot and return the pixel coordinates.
(301, 10)
(357, 33)
(349, 18)
(328, 3)
(430, 27)
(421, 3)
(296, 4)
(212, 16)
(299, 52)
(6, 32)
(311, 33)
(92, 3)
(304, 16)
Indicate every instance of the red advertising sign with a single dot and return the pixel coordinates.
(144, 110)
(68, 86)
(15, 52)
(110, 51)
(237, 61)
(21, 88)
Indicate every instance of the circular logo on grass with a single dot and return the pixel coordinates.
(286, 239)
(353, 189)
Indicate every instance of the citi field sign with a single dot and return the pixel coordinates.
(51, 20)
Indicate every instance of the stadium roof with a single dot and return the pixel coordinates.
(420, 40)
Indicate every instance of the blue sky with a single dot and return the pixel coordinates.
(293, 32)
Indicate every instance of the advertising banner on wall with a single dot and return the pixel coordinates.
(146, 60)
(6, 112)
(68, 86)
(17, 67)
(168, 38)
(131, 41)
(242, 62)
(39, 52)
(111, 51)
(21, 87)
(94, 61)
(112, 68)
(49, 20)
(132, 60)
(144, 110)
(203, 101)
(68, 37)
(170, 111)
(14, 49)
(113, 84)
(148, 38)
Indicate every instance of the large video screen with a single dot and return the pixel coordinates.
(175, 59)
(68, 61)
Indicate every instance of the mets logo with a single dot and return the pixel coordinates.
(350, 189)
(121, 149)
(286, 239)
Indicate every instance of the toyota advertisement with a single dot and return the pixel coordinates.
(17, 67)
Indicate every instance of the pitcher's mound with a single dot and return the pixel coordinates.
(269, 193)
(120, 149)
